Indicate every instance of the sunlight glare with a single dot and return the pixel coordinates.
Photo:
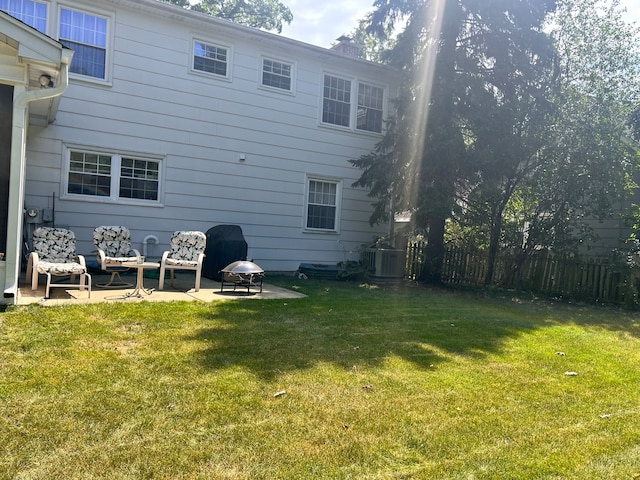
(424, 84)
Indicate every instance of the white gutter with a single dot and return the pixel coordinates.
(17, 174)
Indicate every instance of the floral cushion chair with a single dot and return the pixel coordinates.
(54, 254)
(186, 252)
(113, 247)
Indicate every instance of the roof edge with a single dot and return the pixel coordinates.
(203, 20)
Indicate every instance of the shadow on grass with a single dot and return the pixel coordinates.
(353, 325)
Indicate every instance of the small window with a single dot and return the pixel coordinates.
(139, 179)
(86, 35)
(369, 113)
(276, 74)
(113, 176)
(90, 174)
(322, 205)
(336, 102)
(30, 12)
(210, 58)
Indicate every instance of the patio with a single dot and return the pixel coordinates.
(183, 290)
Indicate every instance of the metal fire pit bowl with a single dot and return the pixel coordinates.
(242, 273)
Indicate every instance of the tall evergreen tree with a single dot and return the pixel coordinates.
(469, 65)
(578, 164)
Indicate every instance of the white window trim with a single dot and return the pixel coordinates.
(273, 58)
(353, 112)
(110, 17)
(305, 203)
(115, 176)
(214, 43)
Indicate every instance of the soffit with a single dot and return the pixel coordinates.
(25, 56)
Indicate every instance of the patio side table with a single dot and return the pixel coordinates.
(140, 267)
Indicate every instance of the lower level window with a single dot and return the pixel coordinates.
(113, 176)
(322, 205)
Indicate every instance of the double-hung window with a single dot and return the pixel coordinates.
(276, 74)
(86, 35)
(370, 106)
(111, 176)
(29, 11)
(338, 107)
(211, 58)
(322, 205)
(336, 101)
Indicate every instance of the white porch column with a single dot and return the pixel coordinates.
(17, 177)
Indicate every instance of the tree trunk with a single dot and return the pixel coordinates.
(434, 253)
(494, 241)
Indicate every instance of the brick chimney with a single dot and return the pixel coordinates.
(346, 47)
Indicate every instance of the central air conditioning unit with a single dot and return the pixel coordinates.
(387, 263)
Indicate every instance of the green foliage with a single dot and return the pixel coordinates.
(585, 171)
(519, 132)
(265, 14)
(377, 44)
(583, 163)
(474, 72)
(352, 270)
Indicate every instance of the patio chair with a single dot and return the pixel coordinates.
(113, 247)
(54, 254)
(186, 252)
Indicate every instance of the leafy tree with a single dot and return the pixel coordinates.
(266, 14)
(578, 165)
(585, 172)
(470, 66)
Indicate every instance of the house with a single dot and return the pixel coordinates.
(143, 114)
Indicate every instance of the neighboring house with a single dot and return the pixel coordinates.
(174, 120)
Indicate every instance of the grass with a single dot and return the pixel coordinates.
(380, 383)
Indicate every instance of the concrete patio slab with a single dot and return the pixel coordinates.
(182, 290)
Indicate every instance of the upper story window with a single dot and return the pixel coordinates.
(30, 12)
(370, 106)
(277, 74)
(112, 176)
(339, 109)
(86, 35)
(210, 58)
(336, 101)
(322, 204)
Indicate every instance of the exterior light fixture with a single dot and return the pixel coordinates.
(45, 81)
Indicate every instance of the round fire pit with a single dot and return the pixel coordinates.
(242, 273)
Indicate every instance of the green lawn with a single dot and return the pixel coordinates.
(378, 382)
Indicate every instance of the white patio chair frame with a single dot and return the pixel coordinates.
(54, 255)
(113, 248)
(186, 252)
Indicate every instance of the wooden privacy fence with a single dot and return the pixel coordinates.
(586, 279)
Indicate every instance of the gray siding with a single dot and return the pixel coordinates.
(199, 125)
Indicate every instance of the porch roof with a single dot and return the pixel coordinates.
(27, 58)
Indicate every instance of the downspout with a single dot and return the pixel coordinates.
(17, 173)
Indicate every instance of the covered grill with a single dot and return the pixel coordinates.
(225, 244)
(242, 273)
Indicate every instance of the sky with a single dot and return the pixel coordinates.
(321, 22)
